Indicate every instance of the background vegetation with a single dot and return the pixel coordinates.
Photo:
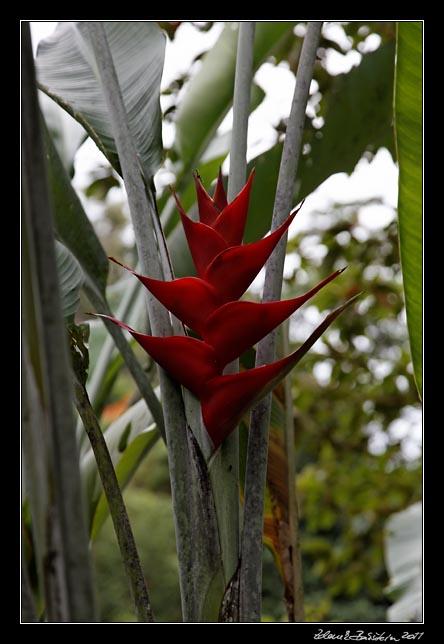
(355, 401)
(356, 465)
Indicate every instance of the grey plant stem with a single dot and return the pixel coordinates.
(130, 360)
(143, 211)
(257, 454)
(117, 509)
(225, 469)
(105, 356)
(295, 604)
(68, 539)
(28, 613)
(241, 109)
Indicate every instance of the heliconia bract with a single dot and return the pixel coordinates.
(209, 305)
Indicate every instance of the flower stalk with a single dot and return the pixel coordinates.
(224, 469)
(251, 547)
(210, 307)
(197, 554)
(117, 509)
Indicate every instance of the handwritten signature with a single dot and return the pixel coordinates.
(369, 636)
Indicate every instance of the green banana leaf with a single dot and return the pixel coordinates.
(126, 449)
(210, 93)
(70, 281)
(408, 127)
(354, 123)
(67, 72)
(403, 555)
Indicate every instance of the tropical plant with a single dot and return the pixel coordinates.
(195, 327)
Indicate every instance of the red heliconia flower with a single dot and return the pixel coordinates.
(190, 299)
(222, 228)
(210, 208)
(236, 326)
(228, 332)
(209, 305)
(190, 361)
(230, 273)
(226, 399)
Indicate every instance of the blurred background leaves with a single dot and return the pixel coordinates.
(356, 409)
(357, 459)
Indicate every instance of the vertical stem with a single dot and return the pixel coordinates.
(134, 367)
(29, 613)
(255, 479)
(105, 356)
(225, 469)
(65, 197)
(296, 610)
(72, 596)
(241, 109)
(197, 552)
(117, 509)
(35, 465)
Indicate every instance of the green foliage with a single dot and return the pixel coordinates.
(347, 102)
(408, 127)
(403, 552)
(67, 72)
(210, 94)
(352, 469)
(72, 224)
(346, 492)
(66, 134)
(207, 100)
(128, 438)
(133, 455)
(352, 472)
(363, 96)
(70, 281)
(151, 516)
(49, 440)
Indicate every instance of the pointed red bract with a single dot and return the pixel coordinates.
(208, 210)
(228, 276)
(233, 218)
(190, 299)
(220, 196)
(209, 305)
(204, 243)
(189, 361)
(232, 271)
(236, 326)
(206, 240)
(226, 399)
